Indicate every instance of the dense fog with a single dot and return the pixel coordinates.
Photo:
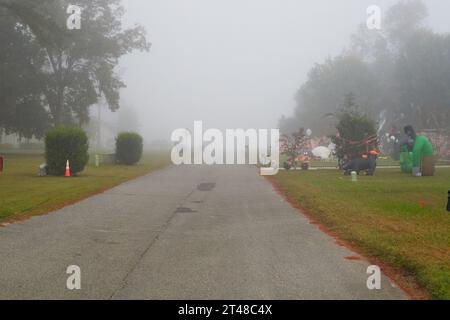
(236, 63)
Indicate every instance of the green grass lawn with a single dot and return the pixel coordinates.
(391, 217)
(23, 193)
(332, 163)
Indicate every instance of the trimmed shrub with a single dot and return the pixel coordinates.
(129, 146)
(62, 144)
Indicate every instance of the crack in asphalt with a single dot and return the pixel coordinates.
(164, 227)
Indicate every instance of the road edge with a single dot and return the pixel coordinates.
(407, 283)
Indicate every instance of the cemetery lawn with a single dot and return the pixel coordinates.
(395, 220)
(24, 194)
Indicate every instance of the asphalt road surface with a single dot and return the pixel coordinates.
(189, 232)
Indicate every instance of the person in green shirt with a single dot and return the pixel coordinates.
(423, 160)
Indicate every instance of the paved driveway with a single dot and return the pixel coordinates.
(189, 232)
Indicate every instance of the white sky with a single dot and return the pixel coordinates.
(235, 63)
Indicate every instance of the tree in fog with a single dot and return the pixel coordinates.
(412, 65)
(128, 119)
(21, 83)
(423, 76)
(326, 85)
(402, 70)
(81, 65)
(71, 69)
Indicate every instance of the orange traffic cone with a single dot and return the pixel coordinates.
(67, 169)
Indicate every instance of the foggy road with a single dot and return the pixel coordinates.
(189, 232)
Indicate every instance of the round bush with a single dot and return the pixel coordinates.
(62, 144)
(129, 147)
